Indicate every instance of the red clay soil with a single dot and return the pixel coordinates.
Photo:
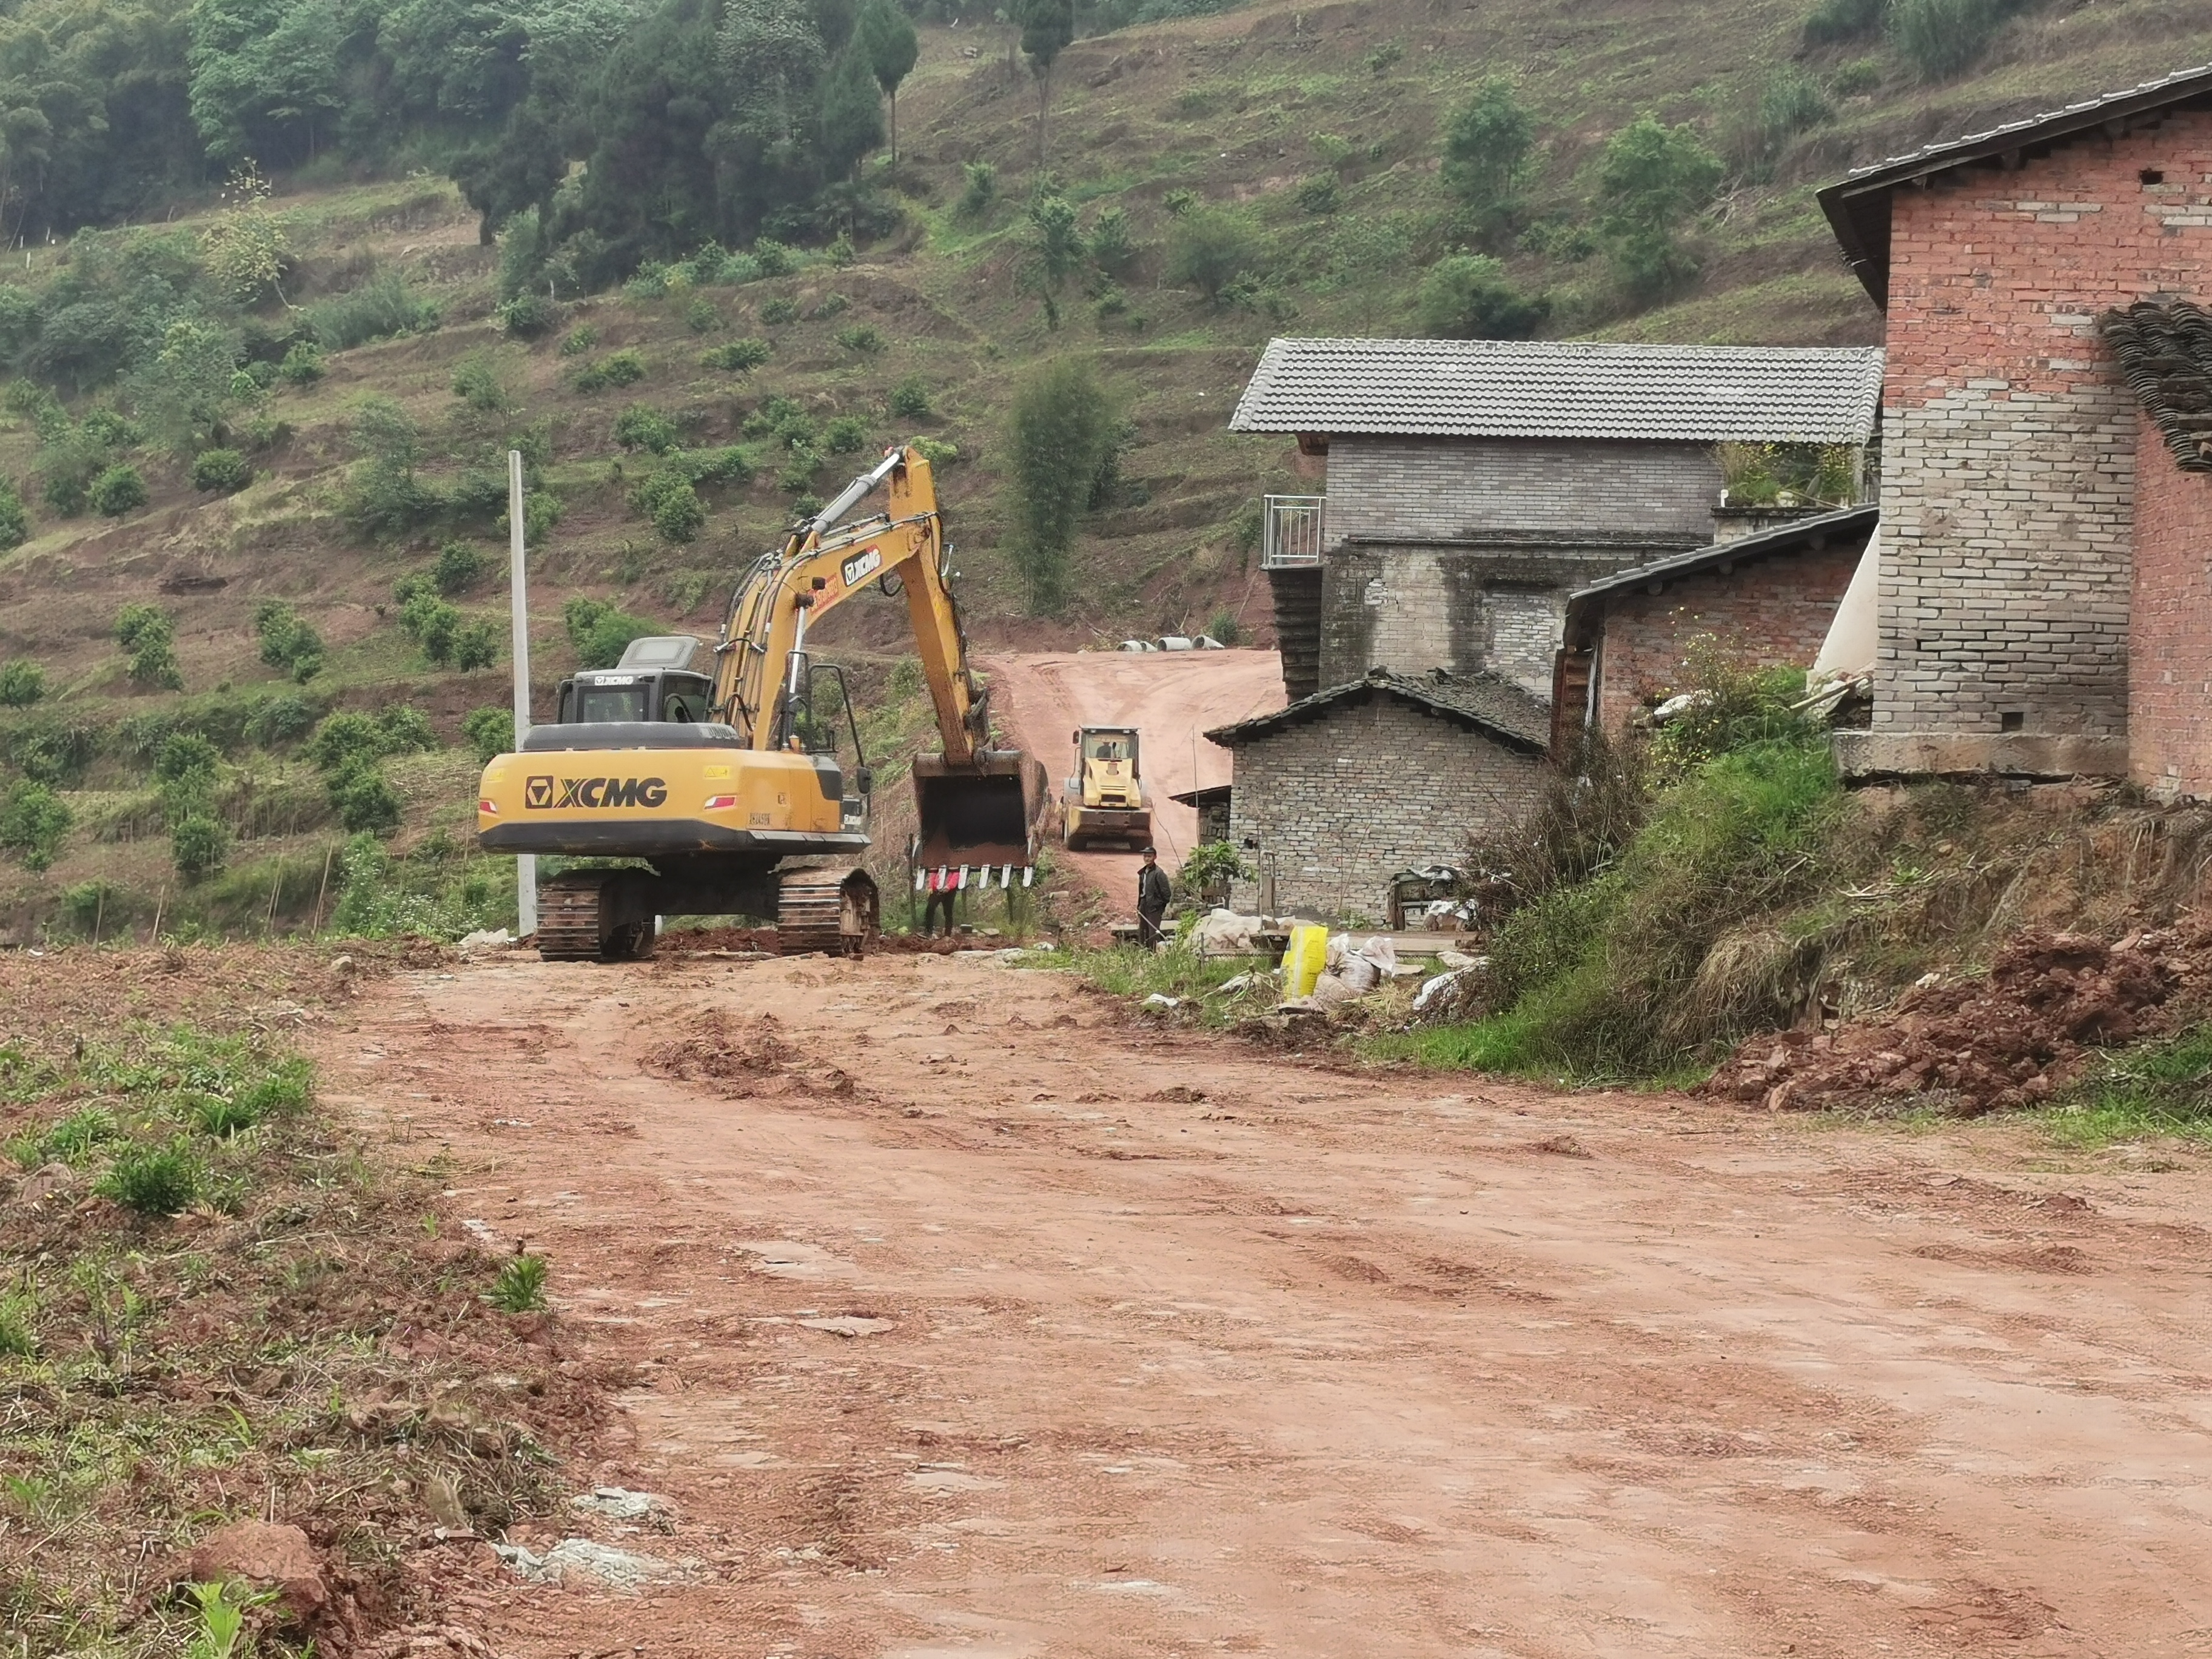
(1981, 1045)
(1054, 1334)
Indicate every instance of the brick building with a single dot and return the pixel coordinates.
(2039, 542)
(1474, 484)
(2165, 354)
(1343, 789)
(1766, 598)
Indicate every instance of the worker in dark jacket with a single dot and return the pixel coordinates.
(1152, 895)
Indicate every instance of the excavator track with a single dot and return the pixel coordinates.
(836, 911)
(580, 920)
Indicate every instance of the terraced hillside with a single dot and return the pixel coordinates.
(1317, 130)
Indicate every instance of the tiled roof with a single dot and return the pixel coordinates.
(1484, 700)
(2165, 352)
(1563, 389)
(1858, 207)
(1798, 535)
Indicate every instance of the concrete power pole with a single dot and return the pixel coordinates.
(525, 864)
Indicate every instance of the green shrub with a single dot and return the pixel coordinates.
(520, 1286)
(1111, 246)
(526, 316)
(700, 317)
(614, 371)
(303, 364)
(737, 355)
(380, 308)
(281, 720)
(34, 822)
(1225, 627)
(1468, 297)
(601, 633)
(1834, 20)
(1942, 38)
(117, 491)
(845, 435)
(479, 382)
(405, 729)
(287, 641)
(223, 471)
(1208, 249)
(642, 427)
(1384, 57)
(199, 845)
(774, 258)
(580, 340)
(22, 683)
(832, 304)
(1178, 203)
(186, 754)
(678, 515)
(14, 522)
(980, 188)
(862, 337)
(154, 1181)
(938, 453)
(152, 664)
(364, 801)
(459, 567)
(909, 398)
(1860, 75)
(491, 732)
(476, 646)
(342, 741)
(779, 310)
(1319, 193)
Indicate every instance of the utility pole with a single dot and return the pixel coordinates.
(525, 864)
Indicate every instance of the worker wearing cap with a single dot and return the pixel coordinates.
(1152, 895)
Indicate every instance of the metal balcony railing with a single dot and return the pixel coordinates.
(1293, 531)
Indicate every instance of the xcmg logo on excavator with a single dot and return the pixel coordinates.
(554, 793)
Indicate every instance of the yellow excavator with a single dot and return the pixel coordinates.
(733, 775)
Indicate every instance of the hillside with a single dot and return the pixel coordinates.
(1318, 127)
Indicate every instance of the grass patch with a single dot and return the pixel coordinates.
(229, 1305)
(2161, 1088)
(1126, 971)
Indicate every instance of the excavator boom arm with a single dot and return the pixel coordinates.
(825, 563)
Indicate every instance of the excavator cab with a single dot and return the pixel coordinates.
(667, 676)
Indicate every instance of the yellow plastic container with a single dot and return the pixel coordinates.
(1304, 958)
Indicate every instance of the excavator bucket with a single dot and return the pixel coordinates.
(979, 816)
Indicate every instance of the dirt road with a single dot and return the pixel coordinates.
(1162, 1344)
(1172, 697)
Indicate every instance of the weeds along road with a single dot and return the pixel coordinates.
(1165, 1343)
(1173, 698)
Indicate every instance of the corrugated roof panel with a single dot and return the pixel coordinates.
(1563, 389)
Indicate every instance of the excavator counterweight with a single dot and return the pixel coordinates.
(735, 773)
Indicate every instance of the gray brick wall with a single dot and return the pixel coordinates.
(2007, 519)
(1387, 489)
(1497, 606)
(1459, 553)
(1340, 803)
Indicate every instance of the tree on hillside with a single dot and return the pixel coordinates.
(1047, 27)
(1487, 148)
(1063, 425)
(887, 35)
(1056, 250)
(851, 113)
(268, 78)
(1653, 179)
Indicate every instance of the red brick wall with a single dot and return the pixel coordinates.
(1771, 612)
(2170, 659)
(2009, 452)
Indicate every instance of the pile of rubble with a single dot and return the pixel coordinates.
(1982, 1045)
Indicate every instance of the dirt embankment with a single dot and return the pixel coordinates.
(1979, 1045)
(968, 1316)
